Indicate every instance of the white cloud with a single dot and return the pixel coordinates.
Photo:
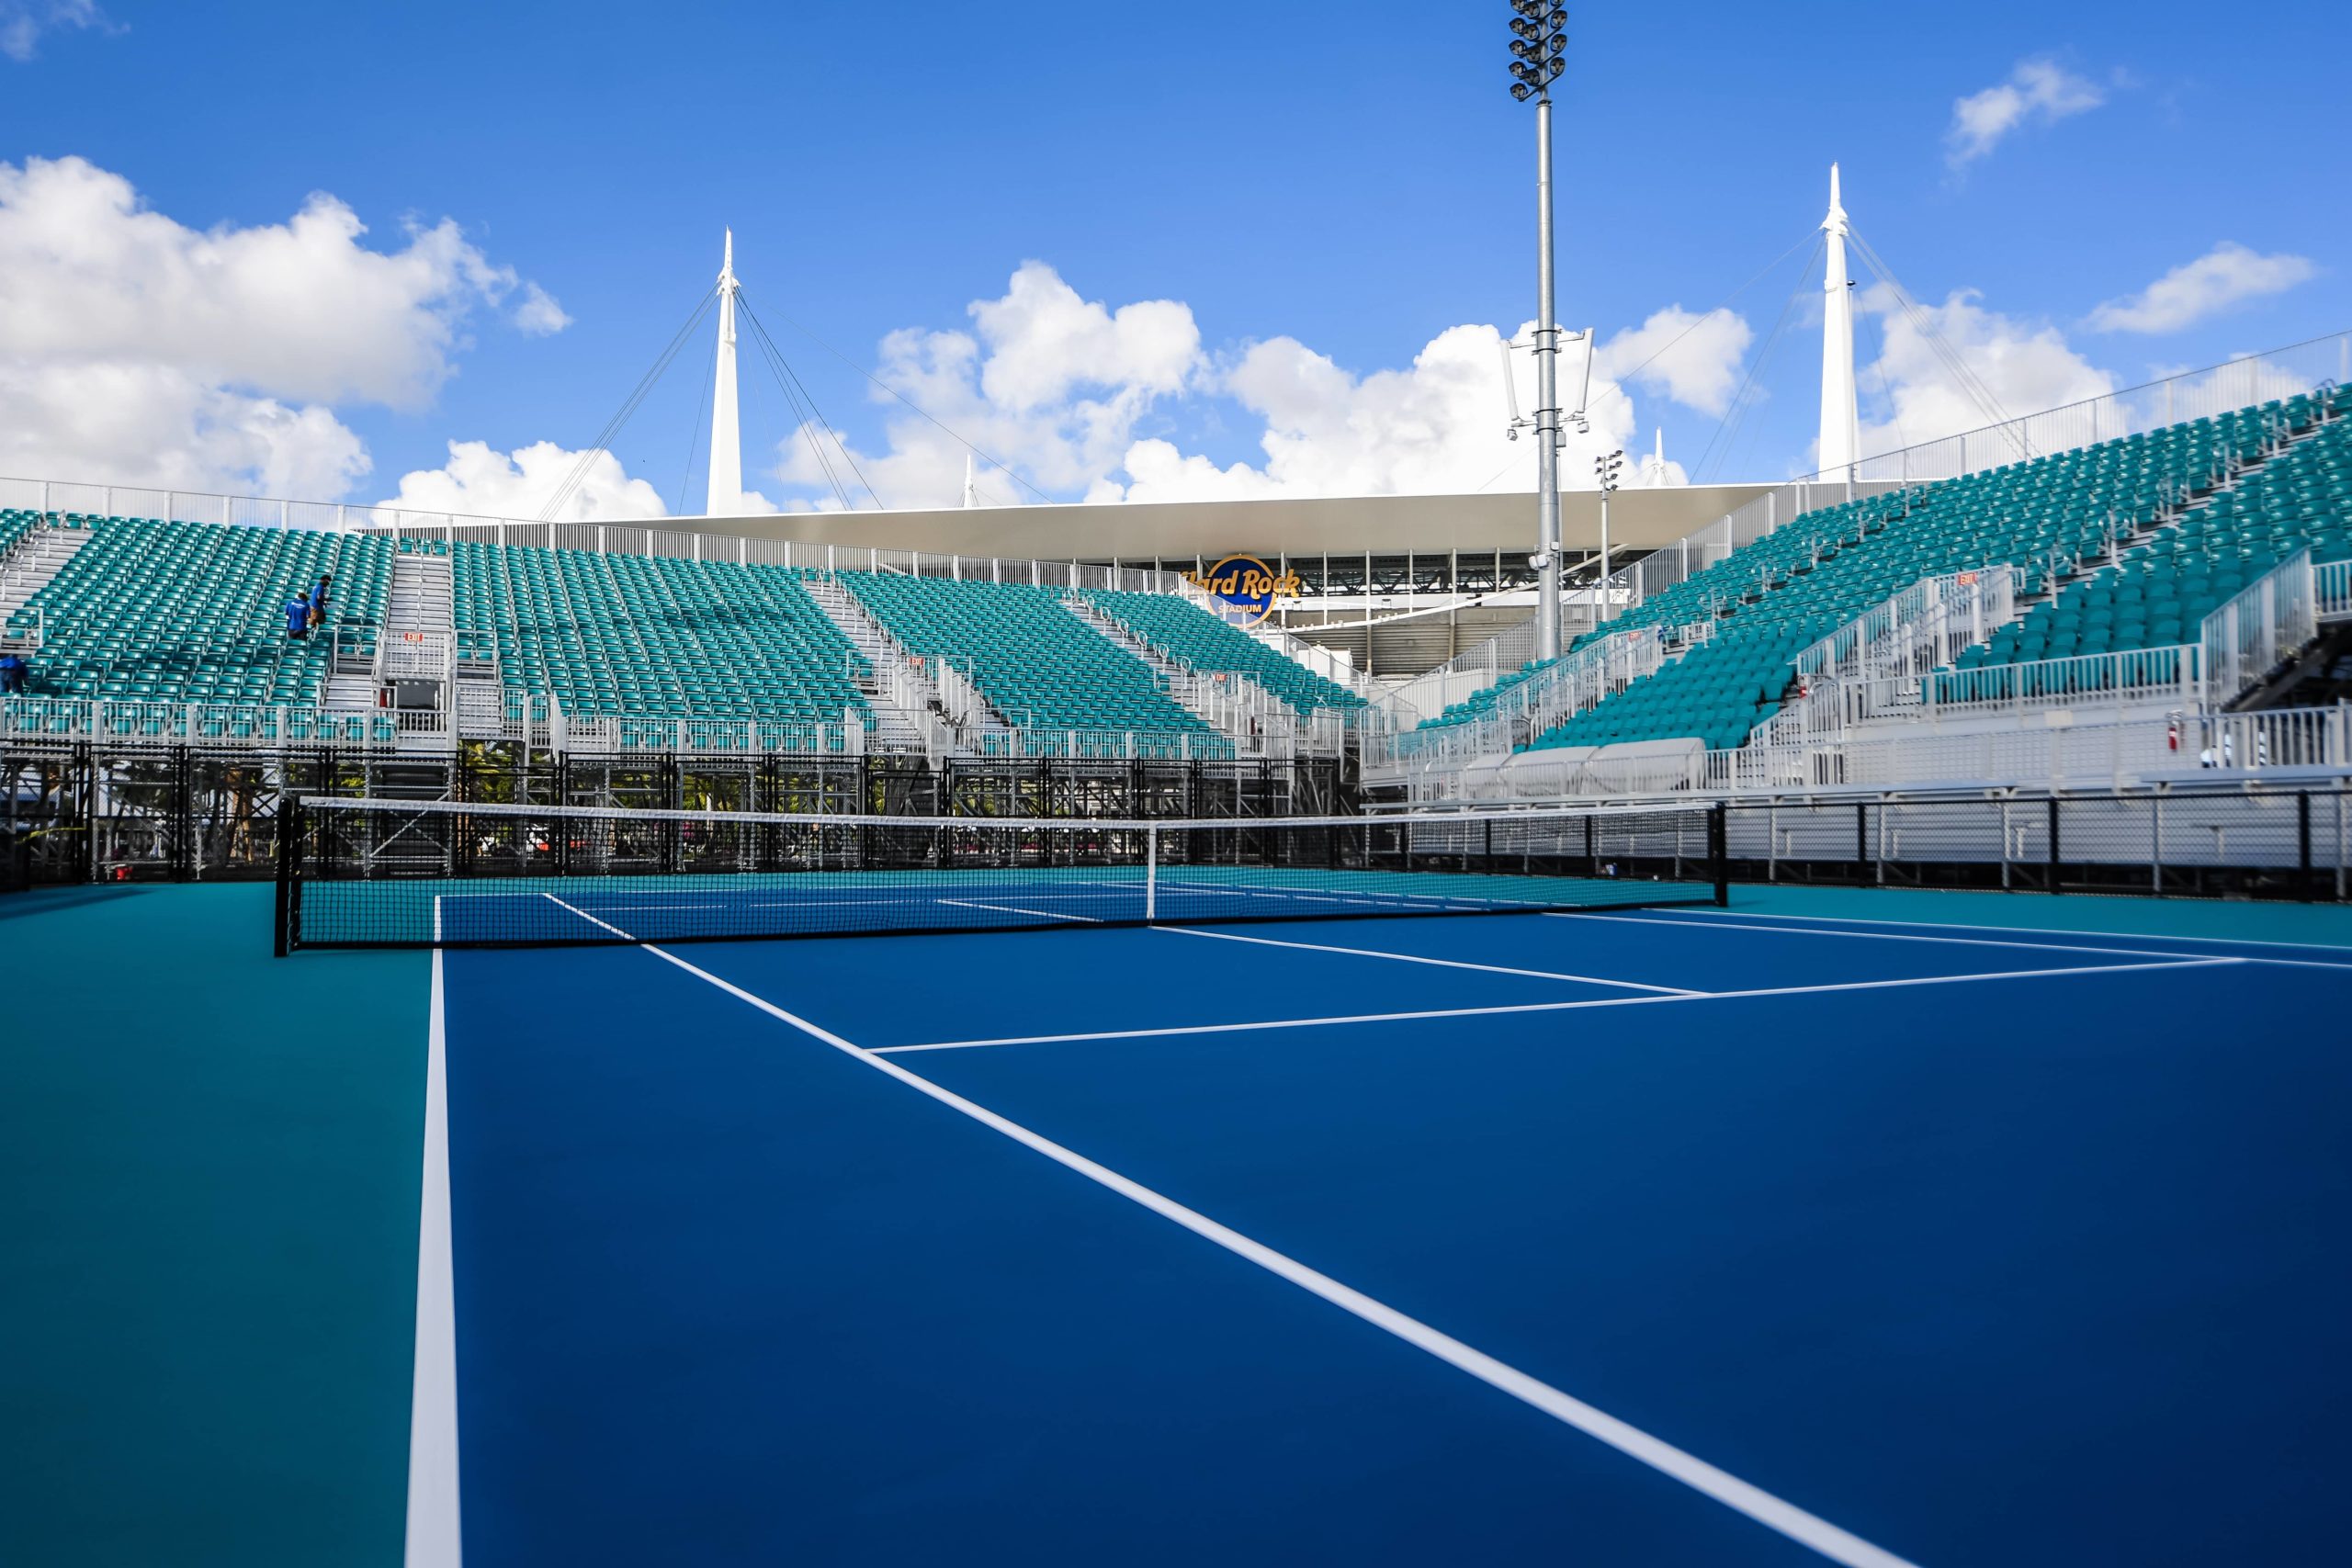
(219, 354)
(2192, 291)
(1432, 428)
(1048, 381)
(538, 314)
(1059, 387)
(2025, 366)
(1693, 359)
(2039, 91)
(479, 482)
(23, 21)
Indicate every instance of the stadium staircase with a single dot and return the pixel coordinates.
(1067, 689)
(911, 712)
(1237, 707)
(1180, 634)
(33, 550)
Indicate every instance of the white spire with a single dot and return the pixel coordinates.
(1841, 435)
(725, 492)
(1654, 466)
(969, 501)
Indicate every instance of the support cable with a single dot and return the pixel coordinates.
(975, 451)
(629, 405)
(789, 379)
(1740, 402)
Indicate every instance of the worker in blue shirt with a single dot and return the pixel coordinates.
(12, 675)
(298, 616)
(319, 599)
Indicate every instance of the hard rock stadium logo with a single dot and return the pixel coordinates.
(1244, 588)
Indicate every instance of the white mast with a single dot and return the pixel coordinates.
(968, 499)
(726, 493)
(1654, 466)
(1841, 435)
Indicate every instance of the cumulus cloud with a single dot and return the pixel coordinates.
(1047, 381)
(2039, 91)
(1693, 359)
(2027, 367)
(538, 314)
(222, 353)
(2192, 291)
(480, 482)
(1065, 390)
(23, 21)
(1434, 427)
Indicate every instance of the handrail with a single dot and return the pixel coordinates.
(2271, 620)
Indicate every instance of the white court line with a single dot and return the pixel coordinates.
(1693, 997)
(1661, 919)
(1014, 909)
(433, 1536)
(2051, 931)
(1773, 1513)
(1417, 958)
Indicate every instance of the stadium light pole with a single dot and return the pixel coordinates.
(1611, 471)
(1536, 46)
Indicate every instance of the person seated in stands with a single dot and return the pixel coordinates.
(298, 616)
(319, 599)
(12, 674)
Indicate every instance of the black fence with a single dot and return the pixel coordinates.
(186, 814)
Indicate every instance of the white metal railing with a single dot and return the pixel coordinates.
(1543, 701)
(2268, 621)
(2135, 678)
(1923, 627)
(55, 719)
(2332, 590)
(2119, 753)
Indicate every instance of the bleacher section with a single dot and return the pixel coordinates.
(608, 634)
(1769, 601)
(188, 611)
(1038, 665)
(2165, 587)
(1191, 636)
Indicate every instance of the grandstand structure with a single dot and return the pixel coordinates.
(2150, 590)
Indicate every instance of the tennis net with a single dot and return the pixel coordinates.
(376, 873)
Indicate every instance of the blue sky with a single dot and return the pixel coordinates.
(1325, 193)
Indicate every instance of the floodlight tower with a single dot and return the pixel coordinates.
(1537, 46)
(725, 492)
(1609, 471)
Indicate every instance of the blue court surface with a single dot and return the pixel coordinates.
(1653, 1236)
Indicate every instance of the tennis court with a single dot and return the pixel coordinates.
(1628, 1236)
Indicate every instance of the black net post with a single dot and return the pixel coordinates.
(2304, 887)
(286, 909)
(1719, 851)
(2053, 845)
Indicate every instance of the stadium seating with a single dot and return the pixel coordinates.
(188, 611)
(1038, 665)
(2165, 587)
(1773, 598)
(607, 634)
(1191, 636)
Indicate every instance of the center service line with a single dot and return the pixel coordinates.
(1774, 1513)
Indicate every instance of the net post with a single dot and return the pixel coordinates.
(283, 936)
(1150, 874)
(1719, 851)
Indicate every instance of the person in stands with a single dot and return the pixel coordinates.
(319, 595)
(298, 616)
(12, 674)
